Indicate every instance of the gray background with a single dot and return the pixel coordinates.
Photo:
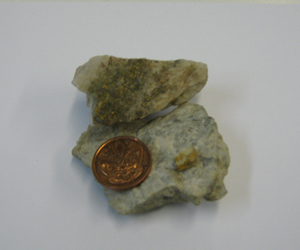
(49, 200)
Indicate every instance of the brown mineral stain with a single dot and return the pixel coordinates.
(186, 159)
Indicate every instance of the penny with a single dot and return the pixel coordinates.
(122, 163)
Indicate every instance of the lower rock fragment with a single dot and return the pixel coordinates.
(189, 159)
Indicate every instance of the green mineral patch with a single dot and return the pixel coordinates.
(119, 84)
(116, 87)
(123, 90)
(156, 92)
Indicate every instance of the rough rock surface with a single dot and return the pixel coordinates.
(123, 90)
(176, 136)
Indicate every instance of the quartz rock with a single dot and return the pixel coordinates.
(123, 90)
(185, 137)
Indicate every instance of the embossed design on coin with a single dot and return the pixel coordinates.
(122, 162)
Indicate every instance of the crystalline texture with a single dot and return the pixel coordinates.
(123, 90)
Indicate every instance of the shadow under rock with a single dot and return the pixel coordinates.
(98, 201)
(71, 174)
(168, 110)
(180, 215)
(196, 98)
(160, 113)
(79, 116)
(225, 110)
(185, 213)
(78, 123)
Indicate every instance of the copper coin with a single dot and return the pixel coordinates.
(122, 162)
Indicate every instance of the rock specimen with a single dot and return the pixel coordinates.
(189, 158)
(123, 90)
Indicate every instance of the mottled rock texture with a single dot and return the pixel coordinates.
(186, 138)
(123, 90)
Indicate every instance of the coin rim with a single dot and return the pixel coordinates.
(122, 186)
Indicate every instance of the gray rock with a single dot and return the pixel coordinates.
(123, 90)
(172, 140)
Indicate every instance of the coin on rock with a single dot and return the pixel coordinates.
(122, 163)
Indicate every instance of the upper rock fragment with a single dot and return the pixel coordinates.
(123, 90)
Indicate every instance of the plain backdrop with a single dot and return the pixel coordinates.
(49, 200)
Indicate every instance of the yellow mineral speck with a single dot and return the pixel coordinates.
(186, 158)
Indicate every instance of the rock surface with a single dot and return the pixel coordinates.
(123, 90)
(186, 137)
